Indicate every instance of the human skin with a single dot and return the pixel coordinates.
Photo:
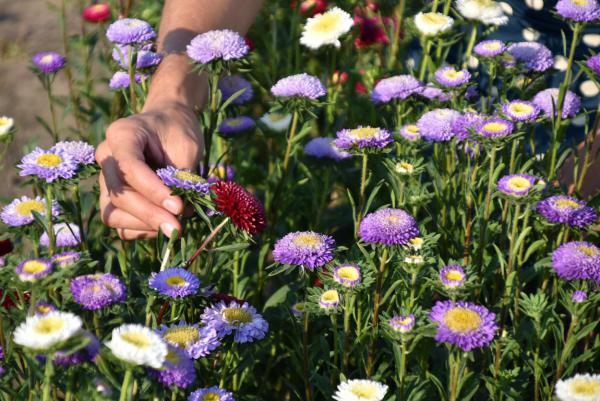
(133, 199)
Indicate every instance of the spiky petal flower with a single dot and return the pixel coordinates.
(33, 269)
(235, 125)
(81, 152)
(326, 29)
(410, 132)
(452, 276)
(231, 84)
(299, 85)
(581, 387)
(363, 138)
(20, 211)
(489, 48)
(521, 110)
(48, 165)
(433, 24)
(547, 100)
(144, 57)
(577, 260)
(401, 323)
(48, 62)
(87, 353)
(66, 235)
(304, 248)
(566, 209)
(594, 63)
(465, 125)
(97, 291)
(516, 184)
(487, 11)
(396, 87)
(578, 10)
(495, 127)
(324, 148)
(66, 259)
(183, 179)
(220, 44)
(533, 55)
(579, 296)
(432, 92)
(175, 282)
(436, 125)
(177, 370)
(242, 207)
(213, 393)
(242, 321)
(120, 80)
(360, 390)
(130, 31)
(463, 324)
(197, 341)
(138, 345)
(450, 77)
(347, 274)
(388, 227)
(42, 333)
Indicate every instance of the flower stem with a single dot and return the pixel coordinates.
(48, 373)
(208, 239)
(425, 58)
(487, 206)
(166, 256)
(470, 45)
(126, 386)
(348, 304)
(305, 361)
(363, 189)
(49, 224)
(52, 110)
(376, 300)
(79, 217)
(131, 71)
(291, 136)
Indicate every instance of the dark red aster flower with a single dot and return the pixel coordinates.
(8, 301)
(372, 30)
(249, 42)
(243, 208)
(218, 297)
(96, 12)
(310, 7)
(5, 247)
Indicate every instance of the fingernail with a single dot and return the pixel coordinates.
(167, 229)
(171, 205)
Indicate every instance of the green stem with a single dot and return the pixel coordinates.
(471, 44)
(291, 136)
(79, 216)
(48, 373)
(399, 15)
(49, 224)
(376, 301)
(363, 188)
(305, 359)
(512, 249)
(167, 254)
(487, 205)
(348, 304)
(52, 110)
(126, 386)
(131, 70)
(425, 59)
(236, 272)
(336, 349)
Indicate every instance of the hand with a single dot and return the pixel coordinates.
(133, 199)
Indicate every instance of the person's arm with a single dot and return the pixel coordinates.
(591, 183)
(132, 198)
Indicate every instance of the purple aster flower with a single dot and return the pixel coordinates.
(516, 184)
(48, 62)
(304, 248)
(489, 48)
(495, 127)
(521, 110)
(43, 308)
(242, 321)
(197, 341)
(402, 323)
(213, 393)
(33, 269)
(388, 227)
(145, 58)
(218, 44)
(463, 324)
(97, 291)
(81, 152)
(329, 299)
(577, 260)
(183, 179)
(20, 211)
(465, 125)
(230, 84)
(432, 92)
(130, 31)
(579, 296)
(363, 138)
(66, 259)
(347, 274)
(547, 100)
(533, 55)
(298, 309)
(452, 276)
(396, 87)
(175, 282)
(178, 369)
(578, 10)
(566, 209)
(66, 235)
(410, 132)
(87, 353)
(235, 125)
(436, 125)
(49, 165)
(324, 148)
(120, 80)
(450, 77)
(301, 85)
(594, 63)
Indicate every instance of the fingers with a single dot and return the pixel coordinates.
(114, 217)
(128, 235)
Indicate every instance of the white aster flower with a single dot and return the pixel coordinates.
(581, 387)
(487, 11)
(326, 29)
(360, 390)
(41, 333)
(138, 345)
(6, 124)
(432, 24)
(277, 122)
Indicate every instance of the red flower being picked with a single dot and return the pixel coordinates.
(243, 208)
(96, 12)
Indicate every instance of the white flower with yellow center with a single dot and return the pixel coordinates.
(329, 299)
(276, 122)
(326, 29)
(432, 24)
(43, 333)
(360, 390)
(416, 243)
(404, 168)
(6, 124)
(487, 11)
(138, 345)
(581, 387)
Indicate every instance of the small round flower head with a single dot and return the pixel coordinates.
(521, 110)
(416, 243)
(463, 324)
(97, 291)
(402, 323)
(130, 31)
(533, 55)
(304, 248)
(298, 309)
(48, 62)
(452, 276)
(183, 179)
(577, 260)
(243, 208)
(242, 321)
(43, 308)
(144, 57)
(33, 269)
(594, 63)
(220, 44)
(235, 125)
(581, 387)
(66, 259)
(363, 138)
(138, 345)
(197, 341)
(230, 84)
(464, 125)
(324, 148)
(48, 165)
(299, 85)
(489, 48)
(433, 24)
(175, 282)
(578, 10)
(81, 152)
(177, 370)
(579, 296)
(547, 100)
(396, 87)
(99, 12)
(436, 125)
(404, 168)
(276, 122)
(87, 353)
(326, 29)
(566, 209)
(42, 333)
(20, 211)
(329, 299)
(414, 260)
(516, 184)
(66, 235)
(388, 227)
(120, 80)
(495, 127)
(6, 125)
(487, 11)
(450, 77)
(432, 92)
(213, 393)
(360, 390)
(410, 132)
(347, 274)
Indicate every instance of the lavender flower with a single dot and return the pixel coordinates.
(388, 227)
(97, 291)
(220, 44)
(174, 283)
(145, 58)
(410, 132)
(120, 80)
(183, 179)
(20, 211)
(495, 127)
(516, 184)
(436, 125)
(66, 235)
(299, 85)
(547, 100)
(432, 92)
(568, 210)
(402, 323)
(304, 248)
(241, 320)
(594, 63)
(48, 62)
(324, 148)
(81, 152)
(450, 77)
(489, 48)
(577, 260)
(396, 87)
(521, 110)
(230, 84)
(348, 275)
(130, 31)
(197, 341)
(65, 259)
(33, 269)
(235, 125)
(329, 299)
(578, 10)
(213, 393)
(465, 125)
(178, 369)
(452, 276)
(579, 296)
(533, 55)
(87, 353)
(363, 138)
(43, 308)
(48, 165)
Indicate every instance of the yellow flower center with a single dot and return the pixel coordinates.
(276, 117)
(416, 242)
(519, 183)
(405, 321)
(34, 266)
(434, 18)
(453, 74)
(49, 160)
(48, 325)
(520, 108)
(330, 296)
(462, 320)
(326, 22)
(307, 240)
(412, 129)
(404, 167)
(134, 23)
(348, 273)
(176, 281)
(211, 397)
(181, 335)
(567, 203)
(580, 2)
(234, 122)
(187, 176)
(219, 172)
(363, 133)
(136, 339)
(48, 58)
(63, 258)
(43, 309)
(98, 7)
(494, 127)
(299, 306)
(588, 250)
(585, 386)
(454, 275)
(363, 390)
(237, 316)
(492, 45)
(25, 208)
(4, 121)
